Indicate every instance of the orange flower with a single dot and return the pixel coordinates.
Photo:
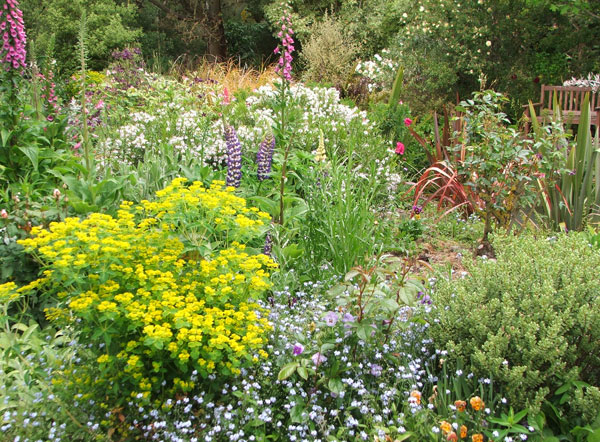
(417, 396)
(463, 431)
(460, 405)
(445, 427)
(452, 436)
(477, 403)
(477, 437)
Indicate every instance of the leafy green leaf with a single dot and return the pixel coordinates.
(335, 385)
(303, 372)
(287, 370)
(31, 152)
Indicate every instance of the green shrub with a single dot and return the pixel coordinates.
(164, 288)
(530, 320)
(446, 46)
(249, 42)
(329, 54)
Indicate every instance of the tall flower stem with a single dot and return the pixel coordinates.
(12, 60)
(282, 117)
(282, 184)
(284, 69)
(85, 133)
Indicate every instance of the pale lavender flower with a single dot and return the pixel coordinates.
(264, 157)
(298, 349)
(14, 39)
(331, 318)
(376, 370)
(234, 157)
(347, 317)
(318, 359)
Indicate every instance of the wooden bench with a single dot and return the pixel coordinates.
(569, 99)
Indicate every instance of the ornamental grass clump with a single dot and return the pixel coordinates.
(530, 321)
(152, 307)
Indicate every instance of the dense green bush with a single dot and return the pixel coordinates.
(54, 28)
(515, 45)
(329, 54)
(530, 320)
(249, 42)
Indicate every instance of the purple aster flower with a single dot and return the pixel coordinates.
(14, 39)
(264, 157)
(318, 359)
(234, 157)
(298, 349)
(331, 318)
(376, 370)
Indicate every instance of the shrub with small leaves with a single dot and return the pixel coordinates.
(329, 54)
(530, 320)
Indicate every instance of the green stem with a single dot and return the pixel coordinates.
(282, 184)
(287, 149)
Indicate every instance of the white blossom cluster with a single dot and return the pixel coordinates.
(320, 107)
(592, 80)
(380, 71)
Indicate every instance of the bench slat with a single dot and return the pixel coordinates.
(569, 100)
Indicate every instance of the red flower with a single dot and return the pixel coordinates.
(399, 148)
(407, 122)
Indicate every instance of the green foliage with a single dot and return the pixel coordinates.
(29, 407)
(162, 289)
(368, 302)
(373, 24)
(329, 54)
(33, 144)
(249, 42)
(93, 80)
(340, 229)
(110, 25)
(515, 45)
(30, 143)
(390, 120)
(569, 173)
(529, 320)
(498, 162)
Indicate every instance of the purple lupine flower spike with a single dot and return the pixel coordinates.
(234, 157)
(264, 157)
(268, 248)
(12, 31)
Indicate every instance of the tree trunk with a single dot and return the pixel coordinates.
(216, 43)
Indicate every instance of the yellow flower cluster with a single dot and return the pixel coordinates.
(164, 310)
(216, 212)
